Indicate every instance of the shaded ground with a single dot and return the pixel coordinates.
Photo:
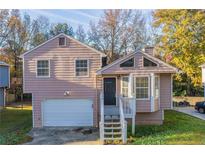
(59, 136)
(190, 111)
(15, 123)
(178, 129)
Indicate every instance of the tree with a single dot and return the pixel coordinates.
(4, 31)
(117, 32)
(182, 42)
(61, 28)
(80, 34)
(40, 31)
(16, 42)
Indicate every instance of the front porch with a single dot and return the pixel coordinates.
(121, 96)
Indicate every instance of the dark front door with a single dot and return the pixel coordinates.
(109, 91)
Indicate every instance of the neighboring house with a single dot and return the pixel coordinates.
(4, 82)
(70, 87)
(203, 76)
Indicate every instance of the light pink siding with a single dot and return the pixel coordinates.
(165, 91)
(149, 118)
(62, 78)
(62, 75)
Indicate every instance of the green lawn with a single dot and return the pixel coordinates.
(178, 128)
(15, 123)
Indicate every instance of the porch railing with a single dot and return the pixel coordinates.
(129, 109)
(129, 106)
(123, 122)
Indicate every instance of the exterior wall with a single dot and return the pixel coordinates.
(165, 91)
(153, 118)
(62, 75)
(4, 76)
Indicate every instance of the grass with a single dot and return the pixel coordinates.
(178, 129)
(15, 123)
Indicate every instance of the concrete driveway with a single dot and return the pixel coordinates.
(62, 136)
(190, 111)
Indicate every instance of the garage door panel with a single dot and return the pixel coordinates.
(68, 112)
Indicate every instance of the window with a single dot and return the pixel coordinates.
(148, 63)
(62, 41)
(81, 67)
(156, 86)
(124, 86)
(128, 63)
(43, 68)
(142, 87)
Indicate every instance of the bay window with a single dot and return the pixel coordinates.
(124, 86)
(156, 87)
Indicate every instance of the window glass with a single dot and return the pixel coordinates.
(62, 41)
(148, 63)
(42, 68)
(128, 63)
(124, 87)
(81, 67)
(156, 94)
(142, 87)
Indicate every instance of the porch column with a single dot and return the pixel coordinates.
(130, 84)
(152, 80)
(130, 95)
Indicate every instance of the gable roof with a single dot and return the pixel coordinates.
(132, 54)
(69, 37)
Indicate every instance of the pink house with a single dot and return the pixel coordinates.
(70, 86)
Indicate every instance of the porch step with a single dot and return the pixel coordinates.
(113, 139)
(112, 123)
(112, 128)
(112, 117)
(113, 133)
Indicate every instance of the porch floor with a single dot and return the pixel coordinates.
(111, 110)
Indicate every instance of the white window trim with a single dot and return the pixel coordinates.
(88, 68)
(149, 60)
(65, 42)
(148, 87)
(48, 68)
(121, 85)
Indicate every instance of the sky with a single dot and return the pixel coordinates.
(72, 16)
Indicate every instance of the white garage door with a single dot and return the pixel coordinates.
(67, 112)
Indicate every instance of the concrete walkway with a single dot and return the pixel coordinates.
(190, 111)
